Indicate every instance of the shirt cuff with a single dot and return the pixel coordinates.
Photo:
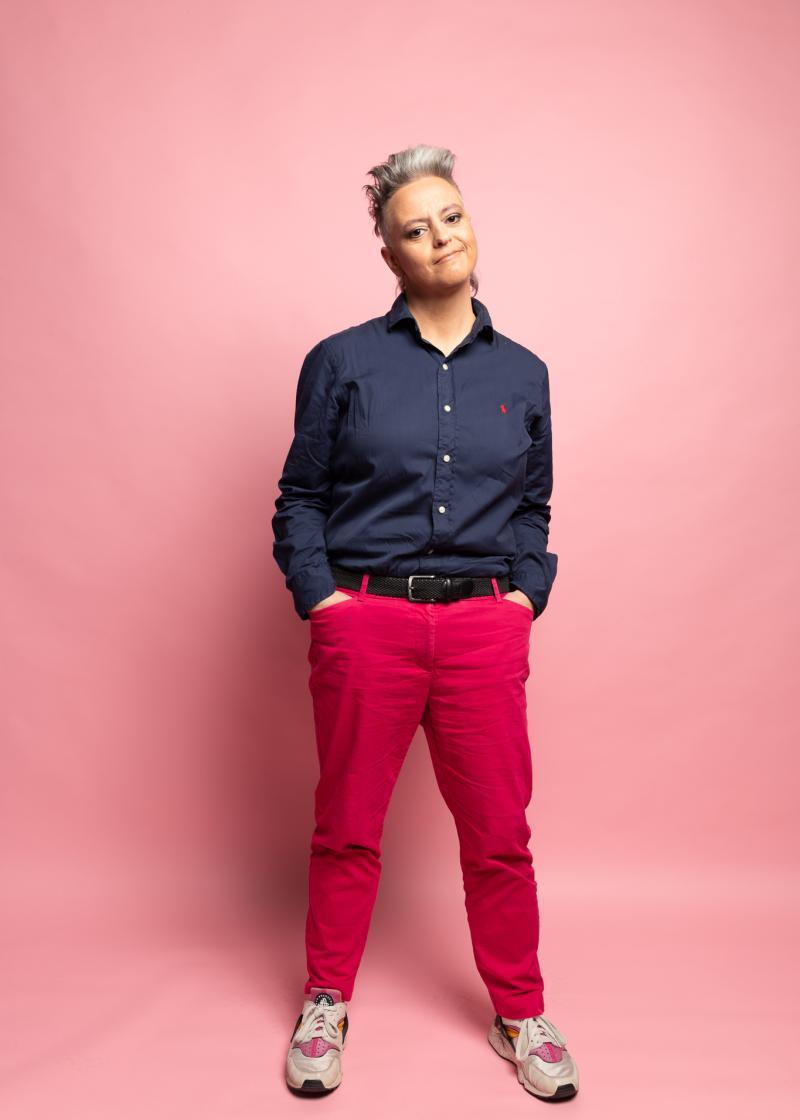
(538, 606)
(311, 586)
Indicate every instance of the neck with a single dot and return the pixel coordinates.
(447, 315)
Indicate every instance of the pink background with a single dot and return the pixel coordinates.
(183, 217)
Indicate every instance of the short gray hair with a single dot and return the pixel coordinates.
(401, 168)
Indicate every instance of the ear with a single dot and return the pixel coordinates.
(388, 257)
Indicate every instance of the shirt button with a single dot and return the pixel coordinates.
(444, 365)
(447, 408)
(446, 458)
(441, 509)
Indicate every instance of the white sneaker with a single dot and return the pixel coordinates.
(545, 1067)
(314, 1061)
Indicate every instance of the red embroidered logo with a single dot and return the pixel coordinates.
(503, 408)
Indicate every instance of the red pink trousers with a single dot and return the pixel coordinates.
(380, 667)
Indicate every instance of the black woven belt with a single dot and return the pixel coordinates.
(422, 588)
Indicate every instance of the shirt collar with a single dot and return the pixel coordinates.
(400, 310)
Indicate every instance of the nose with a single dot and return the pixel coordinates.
(442, 233)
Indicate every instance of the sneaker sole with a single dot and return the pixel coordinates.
(500, 1044)
(312, 1088)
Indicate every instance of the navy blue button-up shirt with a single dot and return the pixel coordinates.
(405, 460)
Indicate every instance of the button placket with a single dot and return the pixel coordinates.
(443, 472)
(443, 475)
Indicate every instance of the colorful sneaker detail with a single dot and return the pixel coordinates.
(314, 1060)
(537, 1048)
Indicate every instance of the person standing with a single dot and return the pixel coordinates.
(412, 530)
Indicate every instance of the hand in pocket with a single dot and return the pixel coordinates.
(336, 597)
(519, 597)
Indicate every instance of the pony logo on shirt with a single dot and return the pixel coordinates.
(503, 408)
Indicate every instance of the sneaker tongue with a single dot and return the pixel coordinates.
(327, 996)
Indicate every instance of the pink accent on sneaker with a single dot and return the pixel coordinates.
(548, 1051)
(316, 1047)
(334, 992)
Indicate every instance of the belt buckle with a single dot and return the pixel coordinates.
(410, 579)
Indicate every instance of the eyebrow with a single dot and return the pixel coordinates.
(452, 206)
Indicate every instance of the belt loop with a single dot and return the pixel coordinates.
(497, 594)
(362, 591)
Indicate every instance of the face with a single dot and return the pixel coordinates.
(429, 236)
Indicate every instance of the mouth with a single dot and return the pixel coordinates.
(448, 255)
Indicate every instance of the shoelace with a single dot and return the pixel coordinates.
(319, 1020)
(539, 1030)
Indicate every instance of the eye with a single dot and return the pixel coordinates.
(421, 229)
